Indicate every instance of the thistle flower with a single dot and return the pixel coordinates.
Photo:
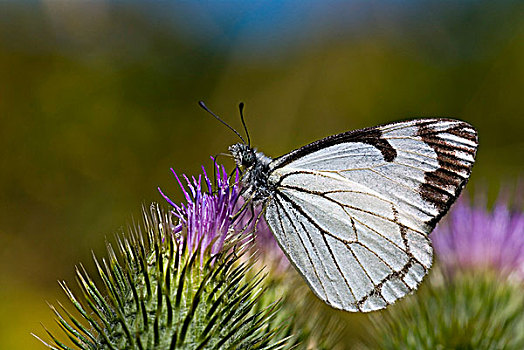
(473, 239)
(475, 308)
(154, 295)
(467, 312)
(206, 216)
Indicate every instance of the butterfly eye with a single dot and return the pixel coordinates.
(244, 156)
(248, 159)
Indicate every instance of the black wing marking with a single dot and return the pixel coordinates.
(430, 157)
(367, 199)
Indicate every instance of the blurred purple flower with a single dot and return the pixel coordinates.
(271, 254)
(206, 215)
(474, 238)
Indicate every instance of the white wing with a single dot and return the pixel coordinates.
(353, 211)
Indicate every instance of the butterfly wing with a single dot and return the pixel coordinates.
(353, 211)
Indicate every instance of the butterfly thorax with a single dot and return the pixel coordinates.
(255, 171)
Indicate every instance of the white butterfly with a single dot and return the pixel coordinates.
(353, 211)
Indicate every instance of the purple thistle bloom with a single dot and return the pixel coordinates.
(206, 215)
(474, 238)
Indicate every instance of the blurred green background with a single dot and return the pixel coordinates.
(98, 100)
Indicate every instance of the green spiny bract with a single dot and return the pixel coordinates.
(310, 324)
(470, 311)
(158, 295)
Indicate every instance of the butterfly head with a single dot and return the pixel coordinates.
(245, 156)
(255, 168)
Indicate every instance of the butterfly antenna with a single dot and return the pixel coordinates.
(241, 108)
(204, 107)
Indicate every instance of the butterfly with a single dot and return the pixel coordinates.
(353, 211)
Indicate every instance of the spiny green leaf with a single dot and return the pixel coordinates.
(154, 295)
